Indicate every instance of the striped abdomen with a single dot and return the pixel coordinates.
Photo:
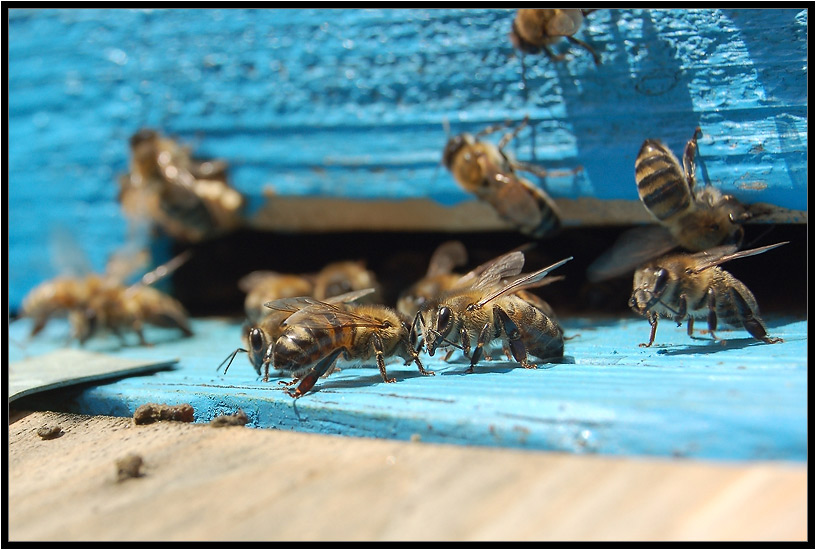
(299, 347)
(660, 181)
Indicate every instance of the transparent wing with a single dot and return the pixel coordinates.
(721, 254)
(490, 273)
(67, 256)
(528, 281)
(632, 249)
(322, 315)
(293, 305)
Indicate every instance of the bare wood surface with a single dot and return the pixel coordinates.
(205, 483)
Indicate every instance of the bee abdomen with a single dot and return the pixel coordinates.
(300, 346)
(660, 181)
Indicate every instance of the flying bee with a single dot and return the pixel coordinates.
(438, 278)
(680, 286)
(535, 30)
(692, 217)
(264, 286)
(259, 335)
(189, 199)
(491, 308)
(317, 333)
(339, 278)
(483, 169)
(95, 302)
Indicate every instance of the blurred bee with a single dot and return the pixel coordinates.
(490, 308)
(437, 279)
(340, 277)
(486, 171)
(259, 335)
(691, 285)
(535, 30)
(694, 218)
(93, 302)
(317, 333)
(263, 286)
(189, 199)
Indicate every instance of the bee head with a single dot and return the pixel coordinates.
(650, 285)
(453, 146)
(257, 348)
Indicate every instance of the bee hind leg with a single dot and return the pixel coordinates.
(752, 324)
(587, 47)
(513, 338)
(308, 381)
(712, 313)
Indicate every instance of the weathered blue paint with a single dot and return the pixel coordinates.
(688, 398)
(351, 103)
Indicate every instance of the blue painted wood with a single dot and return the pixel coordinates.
(687, 398)
(350, 104)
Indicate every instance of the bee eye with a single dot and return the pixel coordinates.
(256, 340)
(443, 319)
(661, 278)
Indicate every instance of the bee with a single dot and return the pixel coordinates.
(341, 277)
(264, 286)
(190, 200)
(439, 278)
(483, 169)
(317, 333)
(535, 30)
(259, 335)
(694, 218)
(680, 286)
(95, 302)
(491, 308)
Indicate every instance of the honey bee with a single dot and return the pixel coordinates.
(694, 218)
(95, 302)
(189, 199)
(491, 308)
(264, 286)
(317, 333)
(259, 335)
(439, 278)
(680, 286)
(483, 169)
(535, 30)
(341, 277)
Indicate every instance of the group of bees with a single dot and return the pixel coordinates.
(300, 325)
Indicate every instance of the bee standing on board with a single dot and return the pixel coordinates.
(317, 333)
(490, 308)
(259, 335)
(439, 278)
(93, 302)
(680, 286)
(486, 171)
(263, 286)
(535, 30)
(190, 200)
(694, 218)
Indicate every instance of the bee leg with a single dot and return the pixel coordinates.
(712, 313)
(587, 47)
(506, 351)
(751, 323)
(513, 338)
(542, 172)
(682, 310)
(465, 342)
(308, 381)
(378, 349)
(477, 353)
(652, 321)
(690, 329)
(688, 158)
(229, 358)
(552, 56)
(509, 136)
(492, 129)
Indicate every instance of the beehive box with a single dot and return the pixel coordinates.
(333, 124)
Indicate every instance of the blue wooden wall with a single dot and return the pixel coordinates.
(351, 104)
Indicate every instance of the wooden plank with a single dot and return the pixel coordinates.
(318, 488)
(350, 104)
(690, 398)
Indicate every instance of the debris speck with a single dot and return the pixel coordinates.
(128, 467)
(49, 432)
(237, 419)
(154, 412)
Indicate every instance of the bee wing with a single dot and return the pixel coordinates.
(165, 269)
(446, 256)
(564, 24)
(490, 273)
(632, 249)
(322, 315)
(721, 254)
(528, 281)
(349, 296)
(67, 256)
(293, 305)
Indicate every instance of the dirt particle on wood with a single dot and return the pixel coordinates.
(237, 419)
(128, 467)
(47, 431)
(154, 412)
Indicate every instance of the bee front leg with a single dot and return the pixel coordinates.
(690, 329)
(480, 342)
(682, 310)
(510, 136)
(587, 47)
(751, 323)
(552, 56)
(712, 312)
(513, 338)
(653, 322)
(378, 349)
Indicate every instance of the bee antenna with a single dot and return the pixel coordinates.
(229, 358)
